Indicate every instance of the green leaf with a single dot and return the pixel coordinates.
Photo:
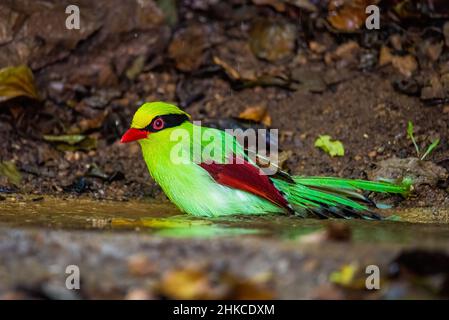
(86, 145)
(9, 170)
(136, 67)
(17, 82)
(344, 276)
(410, 134)
(170, 10)
(72, 142)
(332, 147)
(430, 148)
(71, 139)
(410, 129)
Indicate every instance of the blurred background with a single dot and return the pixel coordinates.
(305, 67)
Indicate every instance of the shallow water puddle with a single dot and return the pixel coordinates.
(165, 220)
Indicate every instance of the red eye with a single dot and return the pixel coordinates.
(158, 124)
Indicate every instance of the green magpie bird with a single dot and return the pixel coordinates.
(228, 182)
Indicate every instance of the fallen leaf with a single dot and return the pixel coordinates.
(348, 16)
(85, 145)
(89, 124)
(247, 289)
(170, 11)
(317, 47)
(272, 40)
(276, 4)
(345, 275)
(139, 265)
(238, 55)
(332, 147)
(433, 89)
(9, 170)
(72, 142)
(96, 172)
(307, 5)
(17, 82)
(190, 284)
(231, 72)
(256, 114)
(136, 67)
(198, 283)
(248, 77)
(187, 48)
(69, 139)
(385, 56)
(347, 50)
(406, 65)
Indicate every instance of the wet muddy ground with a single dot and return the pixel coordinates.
(145, 250)
(310, 66)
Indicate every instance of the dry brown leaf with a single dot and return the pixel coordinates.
(89, 124)
(17, 82)
(348, 16)
(248, 290)
(272, 40)
(276, 4)
(256, 114)
(406, 65)
(317, 47)
(189, 284)
(197, 283)
(187, 48)
(9, 170)
(231, 72)
(347, 49)
(385, 56)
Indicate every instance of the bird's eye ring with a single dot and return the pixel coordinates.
(158, 124)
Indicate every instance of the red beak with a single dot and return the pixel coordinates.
(134, 135)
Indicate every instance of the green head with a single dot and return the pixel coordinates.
(153, 117)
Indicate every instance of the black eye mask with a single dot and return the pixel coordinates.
(168, 121)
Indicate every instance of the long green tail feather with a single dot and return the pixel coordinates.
(336, 197)
(356, 184)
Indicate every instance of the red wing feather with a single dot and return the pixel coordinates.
(245, 176)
